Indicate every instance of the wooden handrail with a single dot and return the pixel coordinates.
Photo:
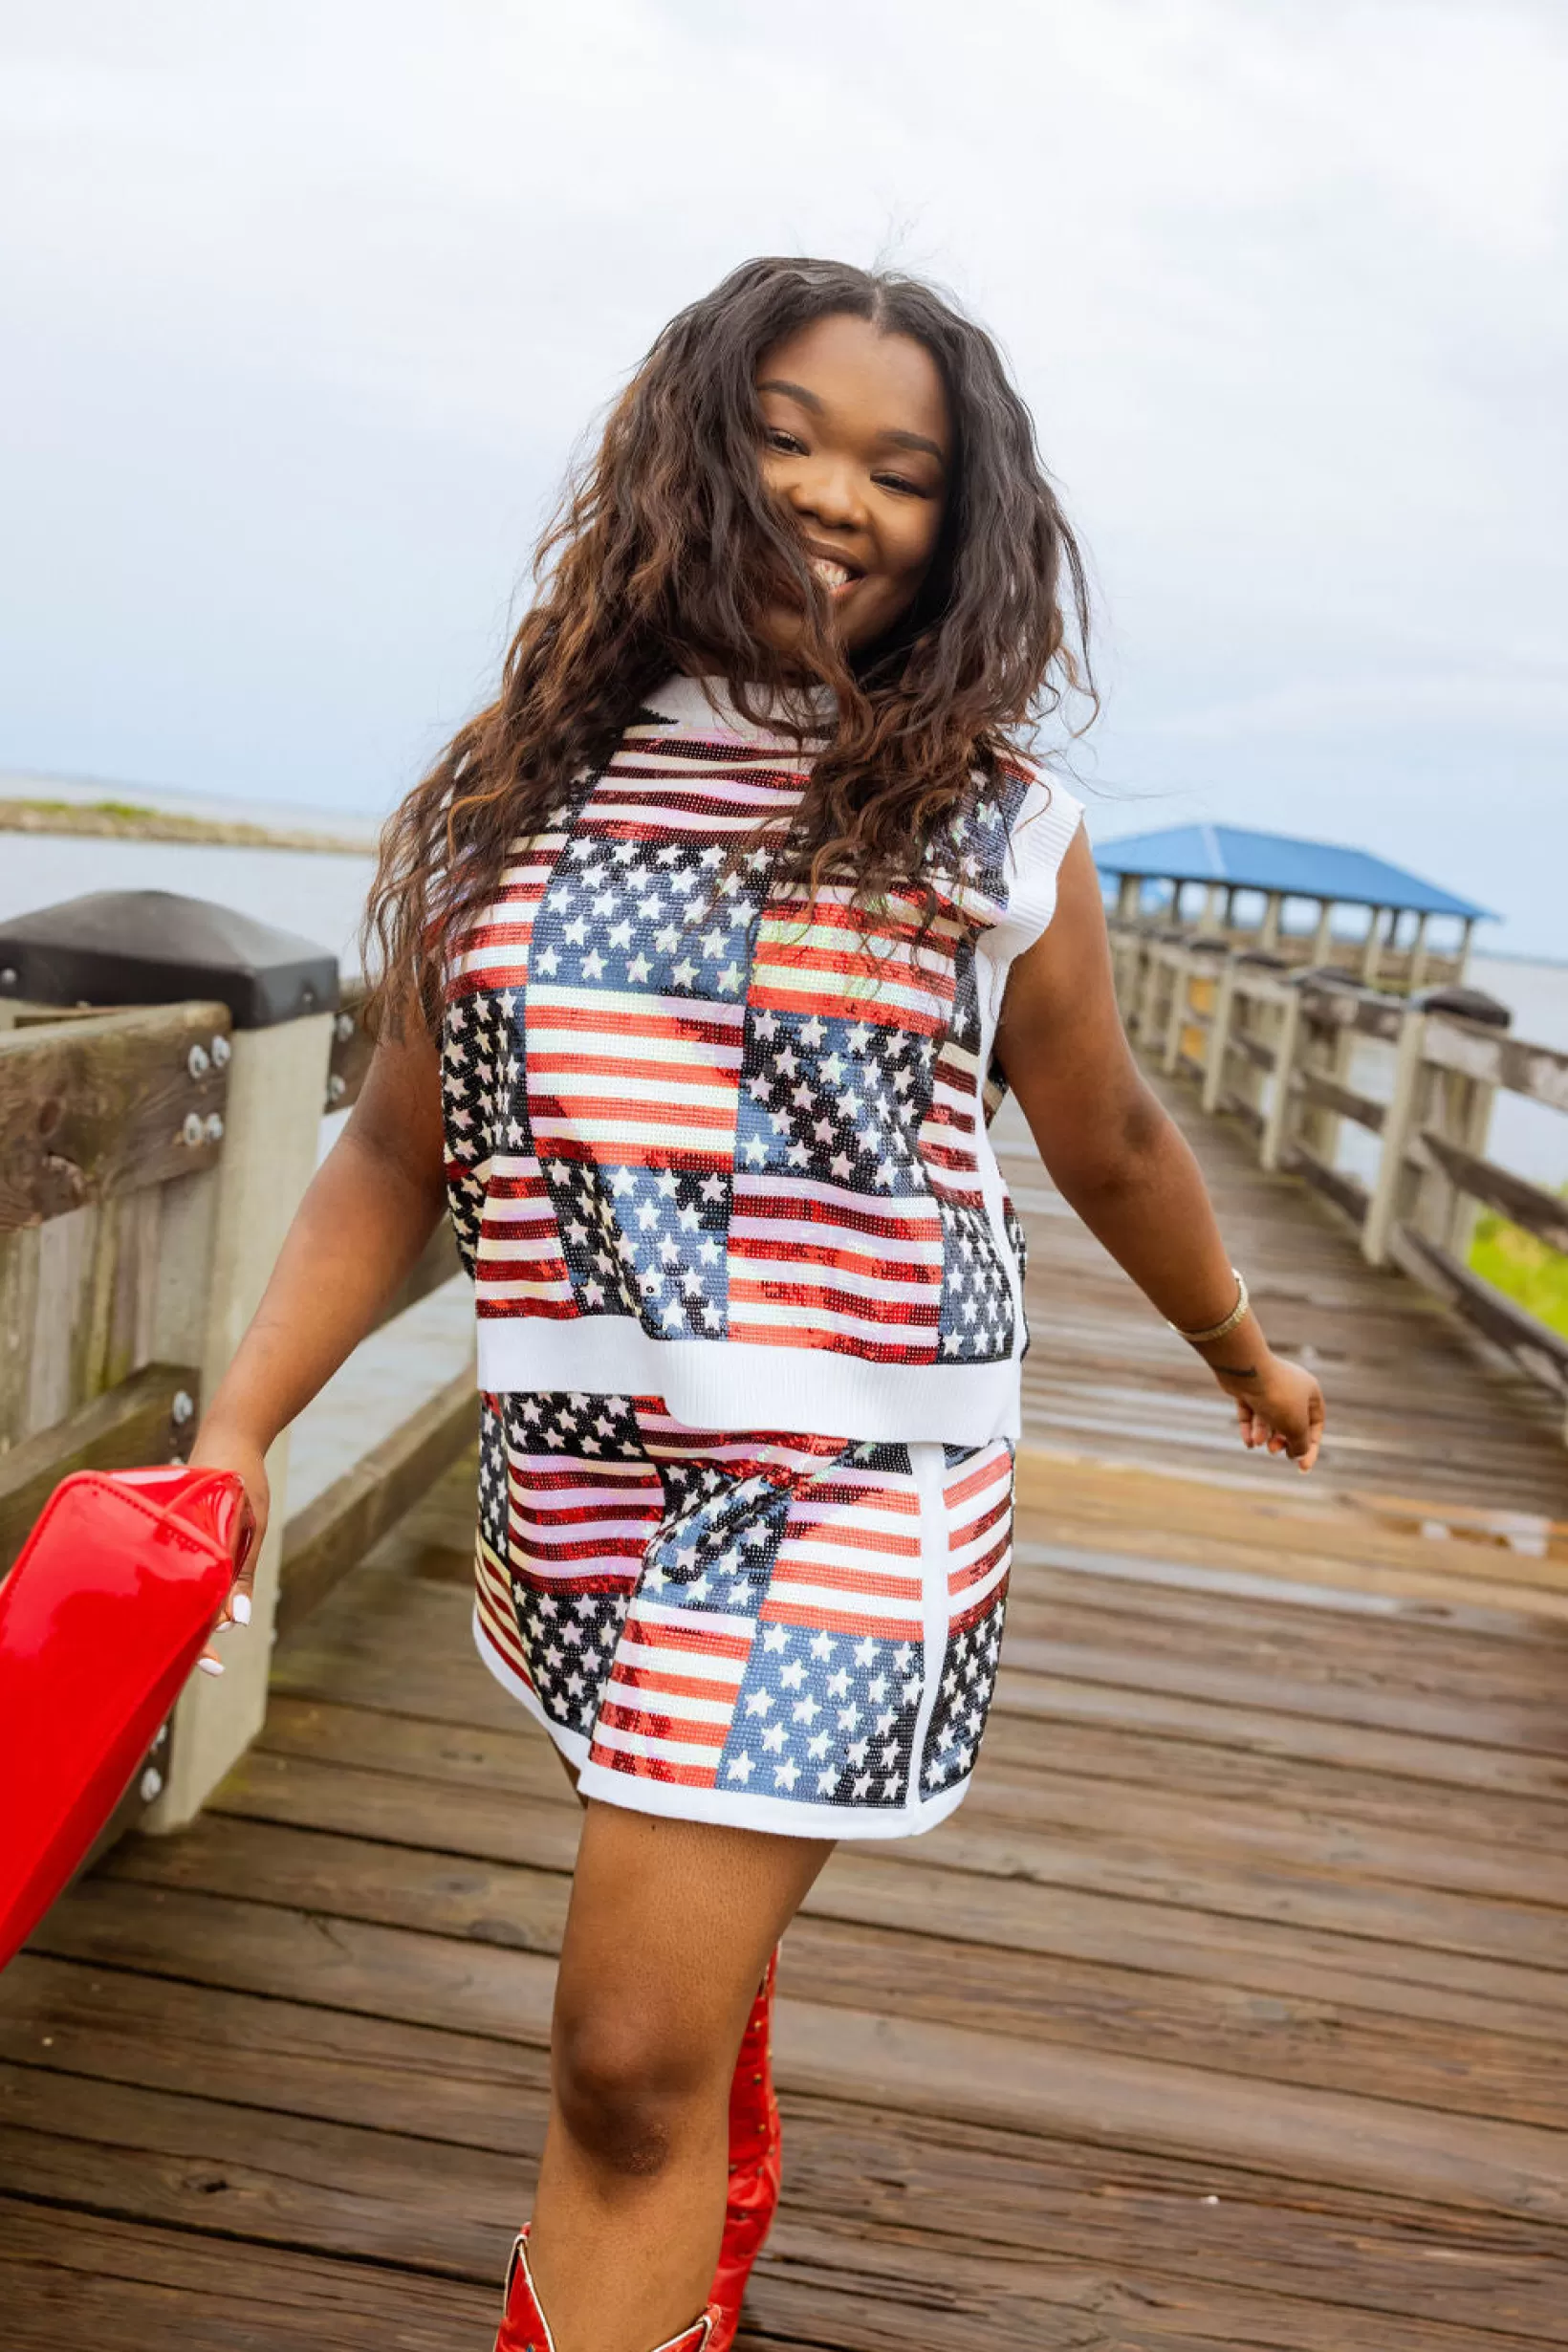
(106, 1103)
(1540, 1212)
(1311, 1086)
(1281, 1069)
(1532, 1345)
(1491, 1056)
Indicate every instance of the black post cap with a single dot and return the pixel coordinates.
(155, 948)
(1471, 1004)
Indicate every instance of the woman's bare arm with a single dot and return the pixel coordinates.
(371, 1208)
(1123, 1164)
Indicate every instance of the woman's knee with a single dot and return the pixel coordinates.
(631, 2088)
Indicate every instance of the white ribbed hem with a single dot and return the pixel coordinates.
(778, 1816)
(735, 1385)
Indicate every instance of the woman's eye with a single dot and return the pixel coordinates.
(776, 438)
(898, 482)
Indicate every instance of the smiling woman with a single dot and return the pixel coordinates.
(709, 949)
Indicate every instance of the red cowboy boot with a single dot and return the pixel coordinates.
(755, 2163)
(524, 2327)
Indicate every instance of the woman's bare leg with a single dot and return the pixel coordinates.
(670, 1928)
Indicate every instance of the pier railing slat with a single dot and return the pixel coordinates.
(147, 1418)
(106, 1102)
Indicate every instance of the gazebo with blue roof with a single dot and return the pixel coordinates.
(1230, 862)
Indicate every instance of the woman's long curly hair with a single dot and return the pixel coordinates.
(665, 555)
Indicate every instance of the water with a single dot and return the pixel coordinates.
(319, 896)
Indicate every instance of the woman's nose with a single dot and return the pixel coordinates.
(831, 493)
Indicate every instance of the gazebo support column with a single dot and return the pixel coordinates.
(1322, 944)
(1465, 937)
(1268, 939)
(1418, 955)
(1373, 952)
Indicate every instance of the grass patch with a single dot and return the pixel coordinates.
(1524, 1268)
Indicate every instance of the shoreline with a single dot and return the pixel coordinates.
(123, 821)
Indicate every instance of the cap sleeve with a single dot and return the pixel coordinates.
(1044, 819)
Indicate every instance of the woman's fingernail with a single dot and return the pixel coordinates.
(242, 1608)
(210, 1665)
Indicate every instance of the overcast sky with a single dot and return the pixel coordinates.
(307, 305)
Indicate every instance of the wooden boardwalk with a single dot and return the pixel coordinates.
(1229, 2012)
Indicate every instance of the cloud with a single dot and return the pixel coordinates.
(313, 302)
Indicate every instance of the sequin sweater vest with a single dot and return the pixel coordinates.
(710, 1143)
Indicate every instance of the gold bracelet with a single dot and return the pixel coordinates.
(1218, 1331)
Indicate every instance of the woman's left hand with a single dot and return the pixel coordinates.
(1278, 1405)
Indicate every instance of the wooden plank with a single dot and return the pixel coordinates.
(108, 1104)
(1497, 1059)
(323, 1542)
(1191, 1927)
(1327, 1094)
(70, 2278)
(1540, 1212)
(1346, 1192)
(1256, 1051)
(1532, 1345)
(149, 1417)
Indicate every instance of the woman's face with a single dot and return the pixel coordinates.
(858, 447)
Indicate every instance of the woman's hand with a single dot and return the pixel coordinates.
(1277, 1404)
(221, 1448)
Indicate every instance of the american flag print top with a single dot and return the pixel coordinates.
(789, 1633)
(712, 1139)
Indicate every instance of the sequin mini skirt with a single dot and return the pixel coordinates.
(789, 1633)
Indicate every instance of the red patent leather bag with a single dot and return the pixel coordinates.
(101, 1619)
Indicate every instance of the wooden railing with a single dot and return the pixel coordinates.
(1274, 1049)
(138, 1222)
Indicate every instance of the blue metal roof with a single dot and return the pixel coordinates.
(1277, 861)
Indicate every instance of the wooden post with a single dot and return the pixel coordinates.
(1322, 944)
(1370, 957)
(1213, 901)
(1418, 957)
(1268, 936)
(1399, 1124)
(1148, 993)
(1465, 938)
(1277, 1120)
(1127, 893)
(277, 1089)
(1219, 1036)
(1181, 968)
(1457, 1108)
